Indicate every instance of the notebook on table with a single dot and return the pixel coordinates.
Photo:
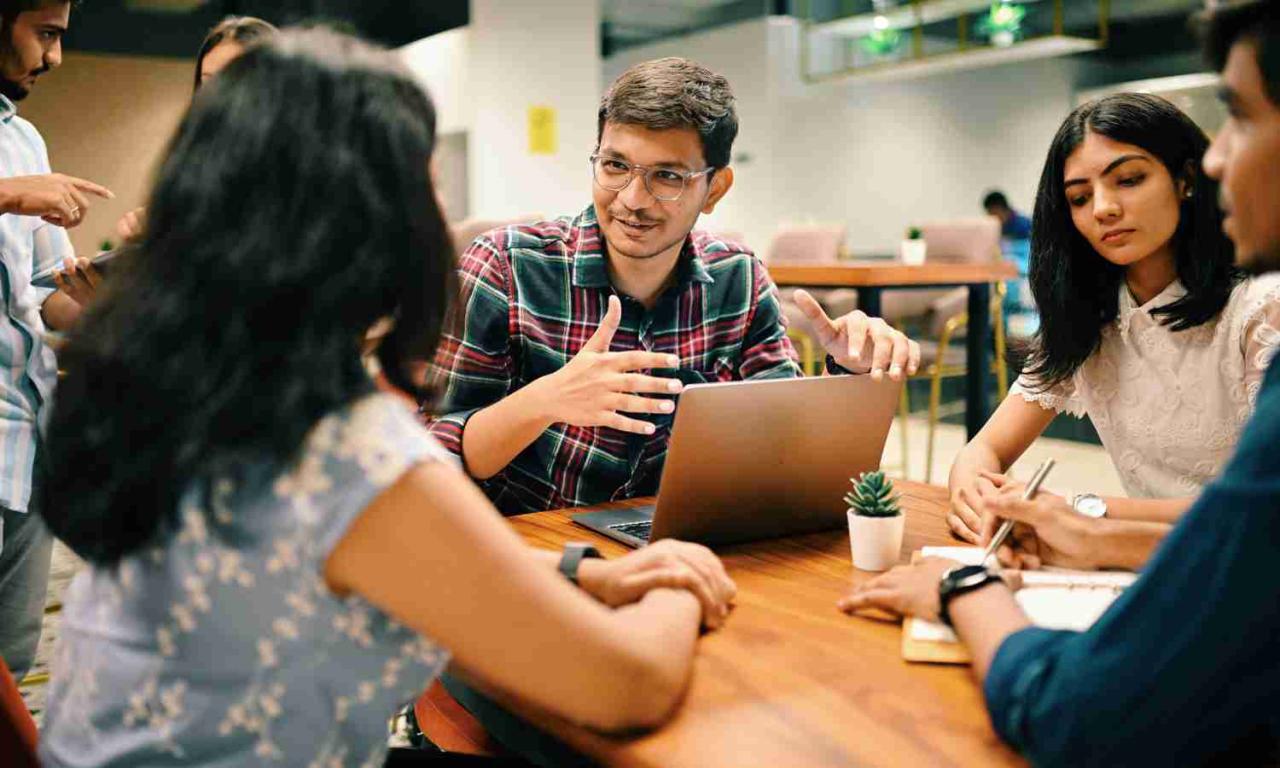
(1055, 598)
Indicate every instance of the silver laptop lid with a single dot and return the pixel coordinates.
(758, 459)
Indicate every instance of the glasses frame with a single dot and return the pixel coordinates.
(646, 173)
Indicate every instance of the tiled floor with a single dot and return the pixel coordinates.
(1080, 467)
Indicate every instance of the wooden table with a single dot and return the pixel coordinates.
(873, 277)
(791, 681)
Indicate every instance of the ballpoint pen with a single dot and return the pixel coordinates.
(1032, 487)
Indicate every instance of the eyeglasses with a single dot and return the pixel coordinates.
(665, 184)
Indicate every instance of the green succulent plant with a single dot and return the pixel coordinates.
(914, 233)
(873, 496)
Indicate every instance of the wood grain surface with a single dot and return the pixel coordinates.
(791, 681)
(883, 274)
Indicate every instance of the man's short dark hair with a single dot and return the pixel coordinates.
(1257, 22)
(675, 93)
(995, 198)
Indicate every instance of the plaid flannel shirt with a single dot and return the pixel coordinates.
(533, 295)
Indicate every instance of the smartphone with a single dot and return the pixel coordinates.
(45, 278)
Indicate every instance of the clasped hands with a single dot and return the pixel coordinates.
(665, 564)
(598, 387)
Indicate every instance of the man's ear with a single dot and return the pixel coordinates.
(721, 183)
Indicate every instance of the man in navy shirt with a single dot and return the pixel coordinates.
(1184, 669)
(1013, 225)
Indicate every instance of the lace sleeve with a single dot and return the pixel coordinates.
(1061, 397)
(1260, 335)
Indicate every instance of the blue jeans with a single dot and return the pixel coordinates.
(26, 549)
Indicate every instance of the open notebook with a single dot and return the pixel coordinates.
(1054, 597)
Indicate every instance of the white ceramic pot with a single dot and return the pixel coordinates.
(875, 541)
(913, 251)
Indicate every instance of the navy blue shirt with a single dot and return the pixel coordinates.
(1018, 227)
(1185, 666)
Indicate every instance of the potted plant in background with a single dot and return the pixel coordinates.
(876, 522)
(913, 248)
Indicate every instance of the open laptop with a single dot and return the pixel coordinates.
(760, 459)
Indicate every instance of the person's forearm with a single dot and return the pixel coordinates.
(60, 311)
(662, 629)
(1127, 544)
(983, 619)
(494, 436)
(1147, 510)
(974, 457)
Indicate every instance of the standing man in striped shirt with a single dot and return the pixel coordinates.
(567, 324)
(36, 207)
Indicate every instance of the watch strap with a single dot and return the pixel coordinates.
(959, 581)
(571, 559)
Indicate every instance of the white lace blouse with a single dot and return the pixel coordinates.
(1169, 406)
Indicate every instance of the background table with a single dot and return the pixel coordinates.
(873, 277)
(791, 681)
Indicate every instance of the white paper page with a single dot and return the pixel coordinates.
(1052, 598)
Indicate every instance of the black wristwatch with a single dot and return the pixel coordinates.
(958, 581)
(836, 369)
(574, 552)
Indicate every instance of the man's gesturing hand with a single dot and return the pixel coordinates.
(597, 386)
(58, 199)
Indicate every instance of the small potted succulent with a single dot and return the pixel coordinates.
(913, 248)
(876, 522)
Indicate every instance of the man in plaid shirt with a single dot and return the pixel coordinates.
(576, 334)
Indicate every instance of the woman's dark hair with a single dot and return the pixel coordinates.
(1076, 289)
(294, 209)
(243, 30)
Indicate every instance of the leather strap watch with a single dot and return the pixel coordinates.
(959, 580)
(574, 553)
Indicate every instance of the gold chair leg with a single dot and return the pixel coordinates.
(904, 412)
(1001, 342)
(935, 396)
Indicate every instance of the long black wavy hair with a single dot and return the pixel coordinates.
(1075, 288)
(294, 210)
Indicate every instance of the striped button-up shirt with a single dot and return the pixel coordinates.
(533, 295)
(28, 369)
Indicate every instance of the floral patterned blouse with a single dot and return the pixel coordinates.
(1170, 405)
(223, 646)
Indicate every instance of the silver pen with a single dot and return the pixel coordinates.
(1032, 487)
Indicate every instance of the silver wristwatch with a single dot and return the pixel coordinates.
(1089, 505)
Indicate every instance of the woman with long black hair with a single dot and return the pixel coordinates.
(279, 554)
(1146, 326)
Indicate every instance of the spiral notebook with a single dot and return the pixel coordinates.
(1055, 598)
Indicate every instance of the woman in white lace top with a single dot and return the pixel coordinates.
(1147, 327)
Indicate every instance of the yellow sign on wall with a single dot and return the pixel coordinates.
(542, 131)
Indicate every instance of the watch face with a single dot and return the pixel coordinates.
(1091, 506)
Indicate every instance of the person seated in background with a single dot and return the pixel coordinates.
(278, 554)
(223, 45)
(1183, 669)
(1146, 327)
(1013, 225)
(38, 206)
(567, 325)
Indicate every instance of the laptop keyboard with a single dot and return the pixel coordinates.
(640, 530)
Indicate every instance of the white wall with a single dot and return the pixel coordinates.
(879, 157)
(440, 63)
(524, 54)
(483, 79)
